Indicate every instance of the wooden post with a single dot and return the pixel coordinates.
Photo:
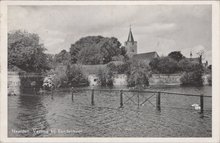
(121, 98)
(72, 94)
(158, 101)
(35, 91)
(138, 99)
(52, 93)
(92, 97)
(201, 104)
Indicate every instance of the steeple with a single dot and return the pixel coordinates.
(131, 45)
(130, 36)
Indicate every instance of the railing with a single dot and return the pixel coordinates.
(156, 92)
(122, 98)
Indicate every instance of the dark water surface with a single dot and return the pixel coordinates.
(43, 116)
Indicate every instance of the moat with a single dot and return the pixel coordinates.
(41, 115)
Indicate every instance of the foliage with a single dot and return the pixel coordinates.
(95, 50)
(106, 76)
(176, 55)
(48, 82)
(102, 77)
(123, 51)
(192, 73)
(75, 76)
(58, 76)
(119, 68)
(210, 79)
(138, 75)
(62, 57)
(210, 67)
(164, 65)
(118, 58)
(26, 52)
(189, 66)
(191, 78)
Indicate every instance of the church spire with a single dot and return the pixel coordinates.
(130, 36)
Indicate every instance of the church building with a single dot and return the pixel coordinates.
(131, 48)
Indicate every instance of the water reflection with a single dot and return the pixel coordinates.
(31, 115)
(106, 119)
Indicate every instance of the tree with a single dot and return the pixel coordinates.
(62, 57)
(75, 76)
(95, 50)
(138, 75)
(154, 65)
(123, 51)
(74, 50)
(26, 52)
(193, 72)
(176, 55)
(164, 65)
(210, 67)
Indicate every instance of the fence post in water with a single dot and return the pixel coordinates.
(201, 104)
(51, 93)
(121, 98)
(158, 101)
(138, 99)
(92, 97)
(72, 94)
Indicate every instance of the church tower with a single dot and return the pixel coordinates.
(131, 45)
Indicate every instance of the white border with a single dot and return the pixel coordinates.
(215, 62)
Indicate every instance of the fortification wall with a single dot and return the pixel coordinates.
(165, 79)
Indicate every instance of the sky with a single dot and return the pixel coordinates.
(160, 28)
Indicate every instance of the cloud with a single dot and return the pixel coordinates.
(175, 27)
(156, 27)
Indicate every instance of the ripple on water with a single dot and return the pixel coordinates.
(105, 118)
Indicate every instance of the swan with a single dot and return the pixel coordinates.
(196, 106)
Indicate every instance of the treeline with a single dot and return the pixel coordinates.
(26, 53)
(191, 69)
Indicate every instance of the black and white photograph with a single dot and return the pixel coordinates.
(109, 71)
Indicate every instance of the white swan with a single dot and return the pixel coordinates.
(196, 106)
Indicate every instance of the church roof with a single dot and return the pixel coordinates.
(130, 37)
(146, 56)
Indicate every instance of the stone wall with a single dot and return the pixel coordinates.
(120, 80)
(14, 83)
(93, 79)
(165, 79)
(18, 83)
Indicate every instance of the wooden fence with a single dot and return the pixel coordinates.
(157, 93)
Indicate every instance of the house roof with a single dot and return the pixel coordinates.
(145, 56)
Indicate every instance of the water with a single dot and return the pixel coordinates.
(43, 116)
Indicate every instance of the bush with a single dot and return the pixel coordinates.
(191, 78)
(75, 76)
(48, 83)
(105, 77)
(192, 73)
(58, 76)
(138, 75)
